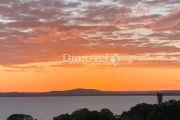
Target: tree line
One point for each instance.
(169, 110)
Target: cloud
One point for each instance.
(43, 30)
(129, 2)
(177, 81)
(69, 65)
(146, 64)
(12, 70)
(167, 22)
(91, 0)
(43, 34)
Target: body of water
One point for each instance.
(45, 108)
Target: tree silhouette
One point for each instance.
(85, 114)
(62, 117)
(159, 98)
(20, 117)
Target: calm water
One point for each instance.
(45, 108)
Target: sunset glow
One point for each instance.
(35, 34)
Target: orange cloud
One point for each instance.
(44, 34)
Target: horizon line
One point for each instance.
(91, 89)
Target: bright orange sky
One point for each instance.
(34, 36)
(108, 78)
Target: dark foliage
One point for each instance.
(85, 114)
(165, 111)
(20, 117)
(169, 110)
(62, 117)
(159, 98)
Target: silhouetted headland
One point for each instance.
(89, 92)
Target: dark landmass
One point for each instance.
(89, 92)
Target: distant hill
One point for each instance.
(89, 92)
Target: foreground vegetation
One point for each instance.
(169, 110)
(20, 117)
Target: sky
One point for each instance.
(140, 37)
